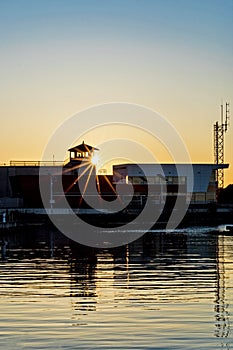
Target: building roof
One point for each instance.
(83, 148)
(200, 173)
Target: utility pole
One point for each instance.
(219, 131)
(52, 201)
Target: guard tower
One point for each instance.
(81, 152)
(79, 174)
(219, 131)
(80, 157)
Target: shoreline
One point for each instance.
(28, 217)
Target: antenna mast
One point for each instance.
(219, 130)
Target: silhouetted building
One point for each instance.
(20, 181)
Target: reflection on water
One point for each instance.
(165, 291)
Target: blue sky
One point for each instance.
(58, 57)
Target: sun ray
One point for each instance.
(113, 189)
(98, 184)
(83, 164)
(86, 184)
(110, 184)
(78, 178)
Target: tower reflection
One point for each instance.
(224, 283)
(181, 270)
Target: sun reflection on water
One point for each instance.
(162, 287)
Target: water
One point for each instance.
(168, 290)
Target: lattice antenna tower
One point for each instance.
(219, 130)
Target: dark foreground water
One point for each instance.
(165, 291)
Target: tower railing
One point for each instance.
(35, 163)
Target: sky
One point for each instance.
(59, 57)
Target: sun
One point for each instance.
(95, 159)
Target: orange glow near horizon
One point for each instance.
(175, 60)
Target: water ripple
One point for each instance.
(169, 290)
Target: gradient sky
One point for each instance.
(61, 56)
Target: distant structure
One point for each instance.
(21, 181)
(176, 177)
(219, 130)
(80, 153)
